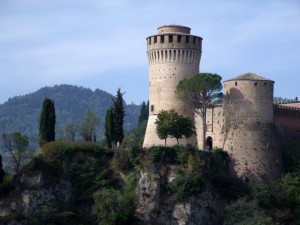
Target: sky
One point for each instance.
(102, 43)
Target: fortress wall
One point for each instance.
(254, 150)
(215, 127)
(287, 118)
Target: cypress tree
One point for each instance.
(2, 173)
(47, 122)
(109, 127)
(143, 113)
(118, 117)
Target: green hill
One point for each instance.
(22, 113)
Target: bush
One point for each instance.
(185, 185)
(6, 186)
(265, 195)
(161, 154)
(115, 207)
(243, 212)
(122, 160)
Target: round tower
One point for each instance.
(250, 134)
(173, 54)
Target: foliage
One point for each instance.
(291, 156)
(290, 184)
(121, 161)
(69, 132)
(47, 122)
(2, 172)
(88, 126)
(115, 207)
(18, 147)
(170, 124)
(185, 185)
(118, 117)
(162, 154)
(244, 212)
(265, 194)
(135, 137)
(144, 113)
(6, 185)
(200, 91)
(109, 127)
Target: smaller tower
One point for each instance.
(250, 133)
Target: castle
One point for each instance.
(245, 124)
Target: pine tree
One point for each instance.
(47, 122)
(119, 113)
(2, 173)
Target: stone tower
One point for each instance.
(250, 134)
(173, 54)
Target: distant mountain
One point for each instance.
(22, 113)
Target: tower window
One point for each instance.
(194, 40)
(170, 38)
(235, 83)
(179, 38)
(152, 108)
(265, 83)
(149, 40)
(162, 39)
(255, 84)
(187, 39)
(155, 39)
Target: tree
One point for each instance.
(70, 132)
(200, 91)
(47, 122)
(2, 173)
(170, 124)
(144, 113)
(163, 123)
(182, 126)
(109, 127)
(119, 113)
(88, 126)
(17, 145)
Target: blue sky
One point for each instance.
(102, 43)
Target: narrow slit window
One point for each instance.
(194, 40)
(162, 39)
(255, 84)
(149, 40)
(152, 108)
(155, 39)
(170, 38)
(235, 83)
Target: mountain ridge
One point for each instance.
(21, 113)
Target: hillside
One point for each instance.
(22, 113)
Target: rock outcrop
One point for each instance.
(155, 206)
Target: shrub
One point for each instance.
(161, 154)
(6, 186)
(121, 160)
(115, 207)
(243, 212)
(185, 185)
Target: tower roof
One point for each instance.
(249, 76)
